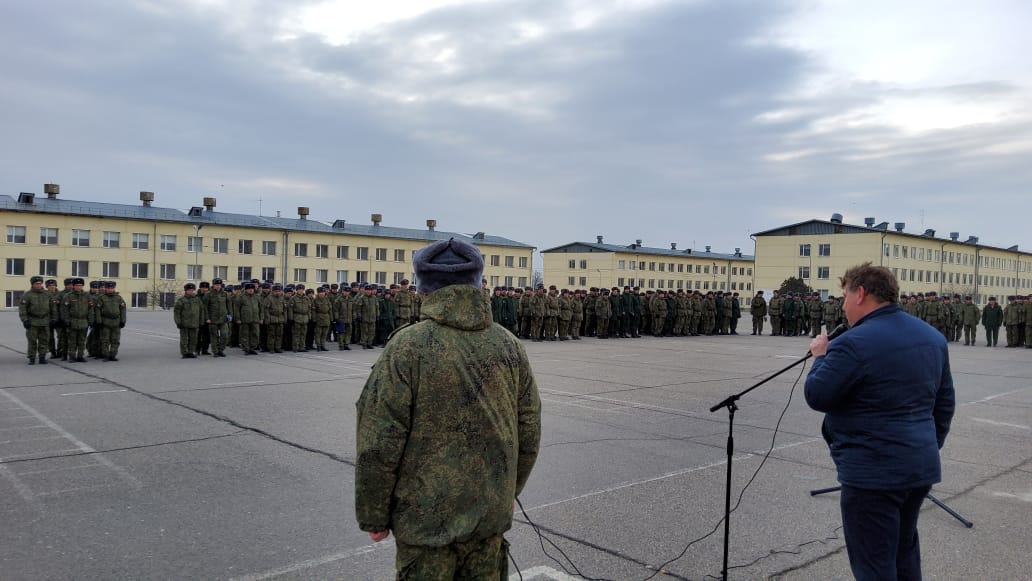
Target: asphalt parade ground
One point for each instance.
(156, 467)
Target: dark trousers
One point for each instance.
(881, 532)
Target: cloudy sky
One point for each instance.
(544, 121)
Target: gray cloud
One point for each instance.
(647, 125)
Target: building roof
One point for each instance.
(637, 249)
(821, 227)
(46, 205)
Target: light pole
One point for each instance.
(197, 249)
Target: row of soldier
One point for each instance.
(553, 314)
(954, 316)
(274, 318)
(71, 323)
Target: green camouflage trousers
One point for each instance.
(187, 340)
(476, 560)
(37, 338)
(110, 340)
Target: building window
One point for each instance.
(168, 242)
(269, 248)
(81, 238)
(509, 261)
(342, 252)
(494, 281)
(572, 263)
(804, 250)
(680, 267)
(139, 300)
(140, 270)
(220, 272)
(300, 275)
(381, 254)
(584, 264)
(824, 249)
(652, 266)
(748, 272)
(48, 267)
(723, 270)
(109, 270)
(13, 298)
(168, 271)
(16, 266)
(362, 253)
(322, 275)
(300, 249)
(244, 273)
(141, 241)
(508, 281)
(823, 272)
(220, 245)
(523, 264)
(112, 239)
(48, 236)
(399, 256)
(362, 276)
(399, 276)
(523, 279)
(496, 260)
(194, 272)
(570, 281)
(80, 268)
(16, 234)
(804, 272)
(194, 244)
(381, 277)
(342, 277)
(621, 264)
(705, 269)
(322, 251)
(166, 300)
(245, 247)
(662, 267)
(634, 265)
(583, 281)
(904, 252)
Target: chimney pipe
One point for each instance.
(599, 238)
(51, 190)
(146, 198)
(431, 224)
(900, 226)
(929, 233)
(377, 218)
(209, 204)
(707, 249)
(302, 212)
(738, 251)
(954, 236)
(638, 242)
(869, 221)
(673, 246)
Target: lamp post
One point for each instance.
(197, 249)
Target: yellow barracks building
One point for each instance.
(820, 251)
(151, 252)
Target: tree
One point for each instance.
(163, 293)
(537, 278)
(794, 285)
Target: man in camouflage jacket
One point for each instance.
(449, 424)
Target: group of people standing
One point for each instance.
(72, 323)
(273, 318)
(953, 316)
(796, 313)
(553, 314)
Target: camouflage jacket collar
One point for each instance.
(459, 306)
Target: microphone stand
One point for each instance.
(732, 406)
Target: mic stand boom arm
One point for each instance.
(732, 406)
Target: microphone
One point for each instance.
(834, 333)
(838, 331)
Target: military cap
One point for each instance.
(930, 294)
(393, 286)
(204, 284)
(189, 286)
(956, 295)
(94, 284)
(266, 285)
(75, 281)
(109, 284)
(309, 291)
(322, 289)
(277, 287)
(404, 281)
(967, 297)
(216, 281)
(248, 285)
(299, 286)
(68, 281)
(289, 287)
(228, 288)
(551, 287)
(345, 288)
(527, 288)
(992, 299)
(50, 282)
(540, 286)
(255, 280)
(334, 286)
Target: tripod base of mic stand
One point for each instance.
(937, 502)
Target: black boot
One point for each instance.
(43, 360)
(32, 360)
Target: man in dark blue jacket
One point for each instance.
(887, 393)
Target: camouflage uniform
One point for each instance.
(188, 314)
(322, 315)
(217, 313)
(775, 308)
(109, 316)
(342, 316)
(550, 325)
(992, 318)
(565, 315)
(367, 310)
(969, 315)
(36, 311)
(448, 429)
(76, 307)
(248, 314)
(603, 311)
(300, 310)
(816, 314)
(758, 309)
(275, 318)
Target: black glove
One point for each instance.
(121, 325)
(25, 324)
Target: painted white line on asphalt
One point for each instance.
(155, 335)
(136, 484)
(541, 571)
(21, 488)
(674, 474)
(237, 383)
(1005, 424)
(317, 562)
(23, 428)
(1026, 496)
(620, 402)
(93, 392)
(580, 405)
(992, 397)
(61, 469)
